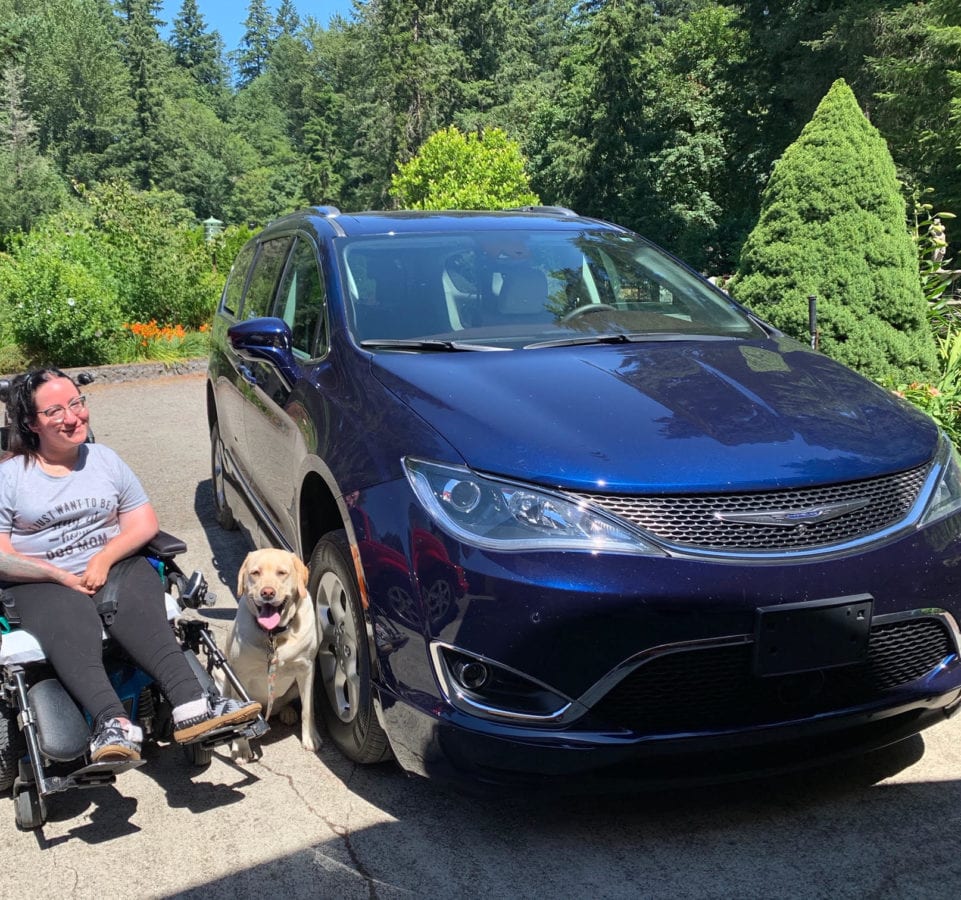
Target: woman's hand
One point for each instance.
(76, 582)
(95, 575)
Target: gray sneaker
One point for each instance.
(220, 713)
(114, 741)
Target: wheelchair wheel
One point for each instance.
(29, 809)
(12, 745)
(198, 755)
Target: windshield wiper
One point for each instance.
(618, 337)
(417, 344)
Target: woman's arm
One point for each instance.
(137, 527)
(15, 567)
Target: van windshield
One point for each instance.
(512, 289)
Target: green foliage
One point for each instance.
(941, 398)
(832, 225)
(159, 259)
(60, 297)
(917, 66)
(937, 279)
(458, 171)
(68, 287)
(79, 86)
(644, 128)
(29, 183)
(664, 116)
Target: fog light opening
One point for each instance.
(471, 674)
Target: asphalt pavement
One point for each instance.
(299, 824)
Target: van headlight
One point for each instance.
(946, 496)
(504, 515)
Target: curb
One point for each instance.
(118, 373)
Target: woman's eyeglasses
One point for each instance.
(56, 414)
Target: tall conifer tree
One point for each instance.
(832, 225)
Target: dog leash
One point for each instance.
(272, 666)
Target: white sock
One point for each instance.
(190, 710)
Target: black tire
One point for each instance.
(29, 809)
(198, 755)
(13, 745)
(343, 692)
(222, 510)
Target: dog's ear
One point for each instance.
(242, 577)
(303, 574)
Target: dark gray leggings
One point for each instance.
(68, 627)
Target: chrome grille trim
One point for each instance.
(694, 522)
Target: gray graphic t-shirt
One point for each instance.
(66, 520)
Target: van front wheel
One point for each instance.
(344, 693)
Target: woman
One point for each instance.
(73, 518)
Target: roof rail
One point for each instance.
(329, 211)
(558, 210)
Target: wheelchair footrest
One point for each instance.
(255, 729)
(94, 775)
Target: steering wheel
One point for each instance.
(587, 308)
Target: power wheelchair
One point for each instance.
(45, 736)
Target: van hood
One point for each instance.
(661, 417)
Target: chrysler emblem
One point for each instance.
(793, 518)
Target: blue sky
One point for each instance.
(227, 16)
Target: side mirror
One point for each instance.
(265, 339)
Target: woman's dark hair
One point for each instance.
(22, 411)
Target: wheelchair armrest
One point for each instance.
(164, 545)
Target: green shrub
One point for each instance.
(162, 266)
(832, 224)
(464, 171)
(60, 298)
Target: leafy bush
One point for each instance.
(162, 265)
(457, 171)
(832, 224)
(60, 298)
(68, 287)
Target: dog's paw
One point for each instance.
(311, 742)
(288, 715)
(241, 751)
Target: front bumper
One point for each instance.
(489, 759)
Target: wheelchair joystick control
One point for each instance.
(195, 593)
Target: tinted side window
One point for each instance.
(263, 282)
(237, 278)
(300, 301)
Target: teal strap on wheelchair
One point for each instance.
(4, 625)
(160, 566)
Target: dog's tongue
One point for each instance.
(269, 618)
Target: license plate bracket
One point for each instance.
(814, 634)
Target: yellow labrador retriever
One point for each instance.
(272, 644)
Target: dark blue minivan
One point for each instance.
(572, 515)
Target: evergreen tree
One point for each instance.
(596, 143)
(79, 87)
(147, 61)
(288, 21)
(832, 225)
(255, 45)
(198, 51)
(29, 184)
(918, 69)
